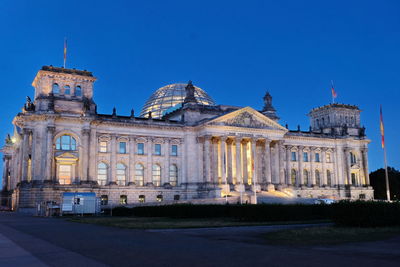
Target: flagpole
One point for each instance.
(65, 52)
(386, 175)
(333, 97)
(382, 128)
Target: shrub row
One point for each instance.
(262, 212)
(344, 213)
(366, 213)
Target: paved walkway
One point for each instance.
(57, 242)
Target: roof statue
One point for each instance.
(190, 98)
(268, 109)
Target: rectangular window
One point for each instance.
(317, 157)
(123, 199)
(122, 147)
(294, 156)
(174, 150)
(104, 200)
(305, 156)
(103, 146)
(64, 174)
(157, 149)
(140, 148)
(328, 157)
(142, 198)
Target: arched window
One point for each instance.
(306, 177)
(173, 175)
(293, 177)
(156, 175)
(67, 90)
(56, 88)
(102, 173)
(328, 178)
(66, 142)
(121, 174)
(78, 91)
(317, 178)
(139, 174)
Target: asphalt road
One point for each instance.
(31, 241)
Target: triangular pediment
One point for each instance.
(247, 118)
(66, 156)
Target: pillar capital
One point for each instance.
(51, 129)
(85, 131)
(26, 130)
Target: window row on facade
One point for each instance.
(295, 178)
(66, 90)
(307, 158)
(67, 142)
(140, 148)
(103, 174)
(123, 199)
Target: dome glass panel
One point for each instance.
(170, 96)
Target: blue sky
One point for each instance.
(235, 50)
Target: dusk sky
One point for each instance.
(234, 50)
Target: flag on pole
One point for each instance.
(382, 128)
(65, 51)
(334, 94)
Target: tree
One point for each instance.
(377, 180)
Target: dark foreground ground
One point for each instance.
(29, 241)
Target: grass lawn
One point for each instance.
(169, 223)
(330, 235)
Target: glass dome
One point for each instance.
(170, 96)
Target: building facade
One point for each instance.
(182, 147)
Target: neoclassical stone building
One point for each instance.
(182, 147)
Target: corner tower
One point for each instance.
(337, 119)
(62, 90)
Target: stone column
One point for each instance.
(132, 155)
(113, 178)
(347, 164)
(364, 155)
(288, 170)
(281, 165)
(275, 167)
(34, 150)
(49, 154)
(6, 169)
(300, 174)
(268, 173)
(337, 180)
(239, 179)
(222, 159)
(93, 151)
(149, 176)
(244, 161)
(254, 178)
(323, 174)
(229, 162)
(207, 159)
(85, 154)
(25, 150)
(167, 163)
(214, 164)
(312, 170)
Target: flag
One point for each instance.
(65, 51)
(382, 128)
(334, 94)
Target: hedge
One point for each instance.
(262, 212)
(366, 213)
(343, 213)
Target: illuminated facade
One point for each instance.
(190, 150)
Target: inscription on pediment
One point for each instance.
(246, 119)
